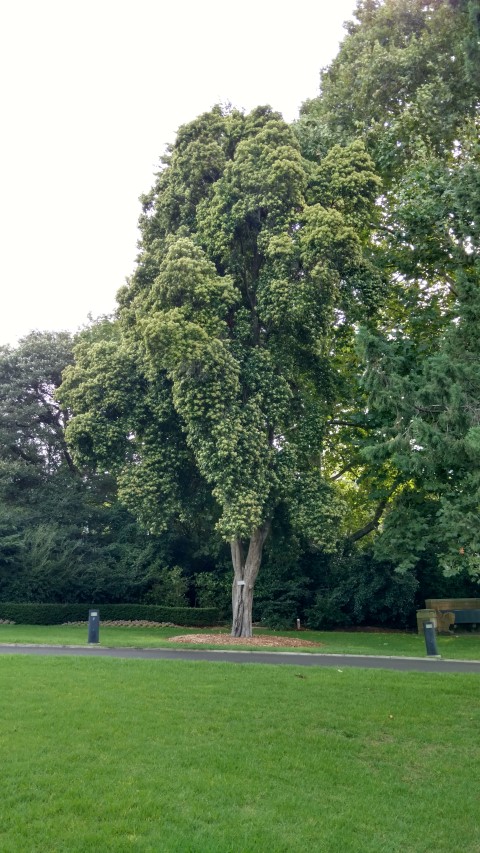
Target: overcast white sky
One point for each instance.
(91, 92)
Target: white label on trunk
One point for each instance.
(240, 583)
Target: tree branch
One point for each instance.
(371, 525)
(430, 410)
(350, 424)
(343, 471)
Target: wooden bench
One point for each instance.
(454, 611)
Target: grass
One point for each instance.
(460, 646)
(118, 755)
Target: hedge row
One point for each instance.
(56, 614)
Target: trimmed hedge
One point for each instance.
(57, 614)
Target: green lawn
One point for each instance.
(466, 645)
(118, 755)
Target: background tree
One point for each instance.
(407, 82)
(63, 535)
(33, 452)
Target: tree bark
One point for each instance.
(245, 573)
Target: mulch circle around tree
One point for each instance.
(227, 640)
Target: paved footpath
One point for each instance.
(400, 664)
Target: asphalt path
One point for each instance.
(399, 664)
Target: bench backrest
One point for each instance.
(445, 604)
(466, 617)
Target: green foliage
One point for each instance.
(63, 535)
(168, 587)
(433, 583)
(357, 590)
(246, 250)
(127, 424)
(214, 589)
(406, 83)
(405, 79)
(40, 491)
(429, 433)
(284, 587)
(57, 614)
(280, 600)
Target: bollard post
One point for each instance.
(93, 626)
(430, 639)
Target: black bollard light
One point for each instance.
(93, 626)
(430, 639)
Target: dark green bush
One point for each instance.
(283, 587)
(326, 611)
(56, 614)
(358, 590)
(283, 607)
(167, 585)
(214, 589)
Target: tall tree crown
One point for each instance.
(248, 255)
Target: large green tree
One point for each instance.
(407, 82)
(224, 365)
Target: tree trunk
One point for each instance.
(245, 573)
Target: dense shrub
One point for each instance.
(358, 590)
(283, 589)
(279, 603)
(167, 586)
(214, 589)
